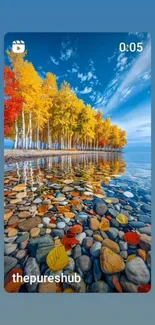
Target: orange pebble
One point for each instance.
(109, 218)
(117, 284)
(142, 254)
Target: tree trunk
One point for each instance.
(30, 128)
(49, 136)
(16, 136)
(38, 137)
(23, 129)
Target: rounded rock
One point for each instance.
(110, 262)
(137, 271)
(84, 263)
(111, 244)
(93, 224)
(61, 225)
(95, 249)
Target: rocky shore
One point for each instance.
(71, 222)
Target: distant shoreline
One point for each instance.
(13, 155)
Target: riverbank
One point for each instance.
(20, 154)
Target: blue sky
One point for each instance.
(119, 84)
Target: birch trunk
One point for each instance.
(23, 129)
(16, 136)
(30, 126)
(49, 136)
(38, 137)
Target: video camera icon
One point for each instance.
(18, 46)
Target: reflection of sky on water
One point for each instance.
(138, 165)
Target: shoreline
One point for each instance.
(13, 155)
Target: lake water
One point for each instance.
(128, 165)
(91, 192)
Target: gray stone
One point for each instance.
(126, 213)
(88, 242)
(83, 263)
(9, 248)
(104, 235)
(112, 233)
(124, 254)
(21, 254)
(32, 269)
(121, 234)
(61, 225)
(128, 207)
(145, 242)
(146, 208)
(37, 200)
(22, 238)
(81, 216)
(76, 286)
(123, 245)
(9, 263)
(95, 249)
(42, 253)
(114, 223)
(113, 213)
(57, 233)
(137, 271)
(80, 237)
(100, 208)
(145, 219)
(77, 251)
(127, 285)
(145, 230)
(148, 259)
(45, 241)
(137, 224)
(89, 232)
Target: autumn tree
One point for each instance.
(46, 117)
(12, 101)
(50, 91)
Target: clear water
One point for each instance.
(128, 166)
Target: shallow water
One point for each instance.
(131, 166)
(44, 194)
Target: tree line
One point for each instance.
(38, 115)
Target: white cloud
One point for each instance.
(147, 76)
(131, 78)
(110, 58)
(54, 60)
(67, 51)
(138, 34)
(42, 74)
(137, 123)
(86, 90)
(90, 75)
(82, 76)
(122, 63)
(126, 91)
(74, 70)
(76, 90)
(66, 55)
(92, 65)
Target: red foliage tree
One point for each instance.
(102, 143)
(12, 99)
